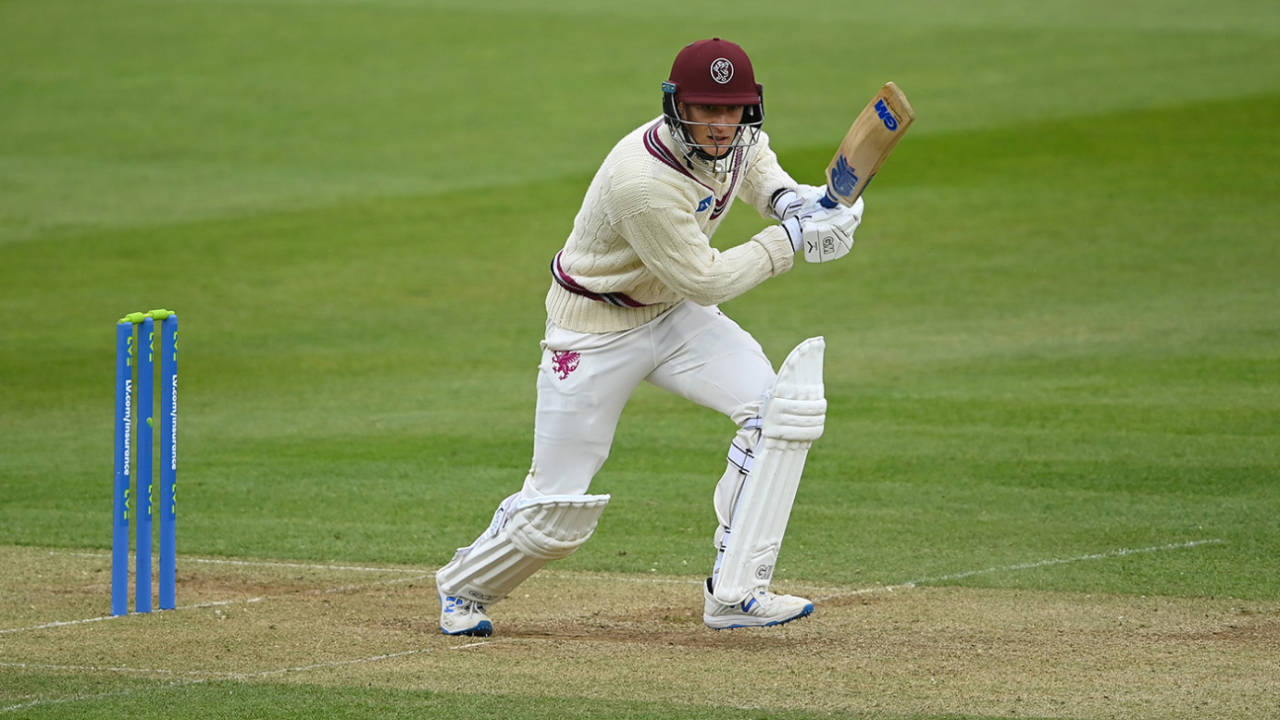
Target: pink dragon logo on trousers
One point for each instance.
(564, 362)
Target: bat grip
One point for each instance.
(827, 201)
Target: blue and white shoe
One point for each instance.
(759, 609)
(460, 616)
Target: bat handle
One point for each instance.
(828, 201)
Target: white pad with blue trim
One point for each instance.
(794, 416)
(526, 533)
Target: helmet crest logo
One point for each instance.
(721, 70)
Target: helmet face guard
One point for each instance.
(713, 72)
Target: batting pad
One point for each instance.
(525, 535)
(793, 418)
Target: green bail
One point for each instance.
(138, 317)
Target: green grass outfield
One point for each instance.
(1058, 335)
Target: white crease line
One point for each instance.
(304, 566)
(203, 676)
(216, 603)
(353, 587)
(60, 623)
(325, 665)
(256, 563)
(78, 698)
(206, 675)
(619, 578)
(468, 646)
(99, 668)
(1119, 552)
(83, 621)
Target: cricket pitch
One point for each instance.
(868, 651)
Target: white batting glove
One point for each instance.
(802, 201)
(810, 195)
(825, 235)
(786, 204)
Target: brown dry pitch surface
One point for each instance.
(866, 651)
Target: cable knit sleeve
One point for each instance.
(660, 227)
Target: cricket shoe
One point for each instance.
(460, 616)
(759, 609)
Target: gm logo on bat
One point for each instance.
(843, 177)
(886, 117)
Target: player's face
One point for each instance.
(713, 126)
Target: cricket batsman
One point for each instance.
(633, 298)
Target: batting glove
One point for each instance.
(786, 204)
(810, 195)
(825, 235)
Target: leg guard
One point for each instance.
(526, 533)
(741, 457)
(793, 419)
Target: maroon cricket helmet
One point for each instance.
(713, 72)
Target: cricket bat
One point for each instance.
(873, 135)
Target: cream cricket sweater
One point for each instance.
(641, 242)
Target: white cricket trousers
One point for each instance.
(585, 380)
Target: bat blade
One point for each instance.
(873, 135)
